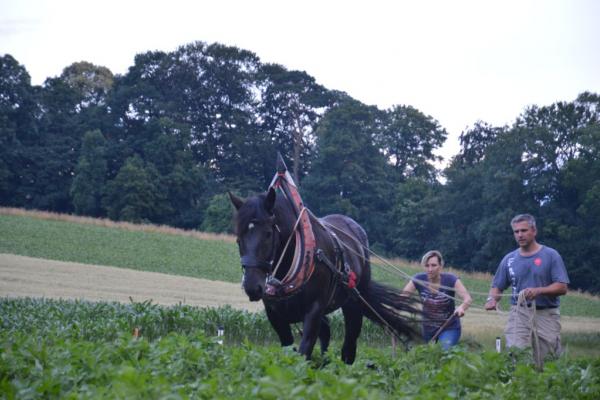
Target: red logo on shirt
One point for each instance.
(537, 261)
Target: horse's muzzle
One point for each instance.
(255, 295)
(253, 281)
(254, 291)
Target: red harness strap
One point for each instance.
(303, 264)
(351, 280)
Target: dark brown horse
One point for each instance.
(264, 225)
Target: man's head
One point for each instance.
(524, 230)
(524, 218)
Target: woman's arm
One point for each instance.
(409, 288)
(464, 295)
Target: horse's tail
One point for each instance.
(389, 307)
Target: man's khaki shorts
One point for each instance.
(519, 329)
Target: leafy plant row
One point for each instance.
(82, 320)
(69, 349)
(180, 366)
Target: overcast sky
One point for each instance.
(457, 61)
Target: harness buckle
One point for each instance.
(271, 280)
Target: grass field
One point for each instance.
(167, 250)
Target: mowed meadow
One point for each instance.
(188, 253)
(80, 349)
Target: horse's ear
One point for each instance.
(270, 200)
(236, 201)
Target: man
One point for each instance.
(539, 273)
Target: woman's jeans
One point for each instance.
(447, 338)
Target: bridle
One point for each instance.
(264, 265)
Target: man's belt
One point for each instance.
(538, 307)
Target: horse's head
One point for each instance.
(258, 240)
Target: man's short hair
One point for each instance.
(523, 218)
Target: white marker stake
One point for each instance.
(220, 334)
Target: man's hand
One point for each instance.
(532, 293)
(491, 304)
(460, 311)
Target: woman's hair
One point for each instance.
(432, 253)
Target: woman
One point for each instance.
(437, 290)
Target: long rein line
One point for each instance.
(391, 268)
(387, 326)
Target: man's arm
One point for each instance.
(554, 289)
(493, 299)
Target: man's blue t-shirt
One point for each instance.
(540, 269)
(438, 306)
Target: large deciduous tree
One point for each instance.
(18, 129)
(70, 105)
(565, 178)
(134, 194)
(348, 174)
(291, 105)
(484, 189)
(88, 184)
(408, 138)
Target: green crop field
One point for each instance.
(56, 349)
(52, 349)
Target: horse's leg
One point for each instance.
(324, 334)
(282, 327)
(311, 328)
(353, 324)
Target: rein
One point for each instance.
(444, 325)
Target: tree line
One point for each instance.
(164, 142)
